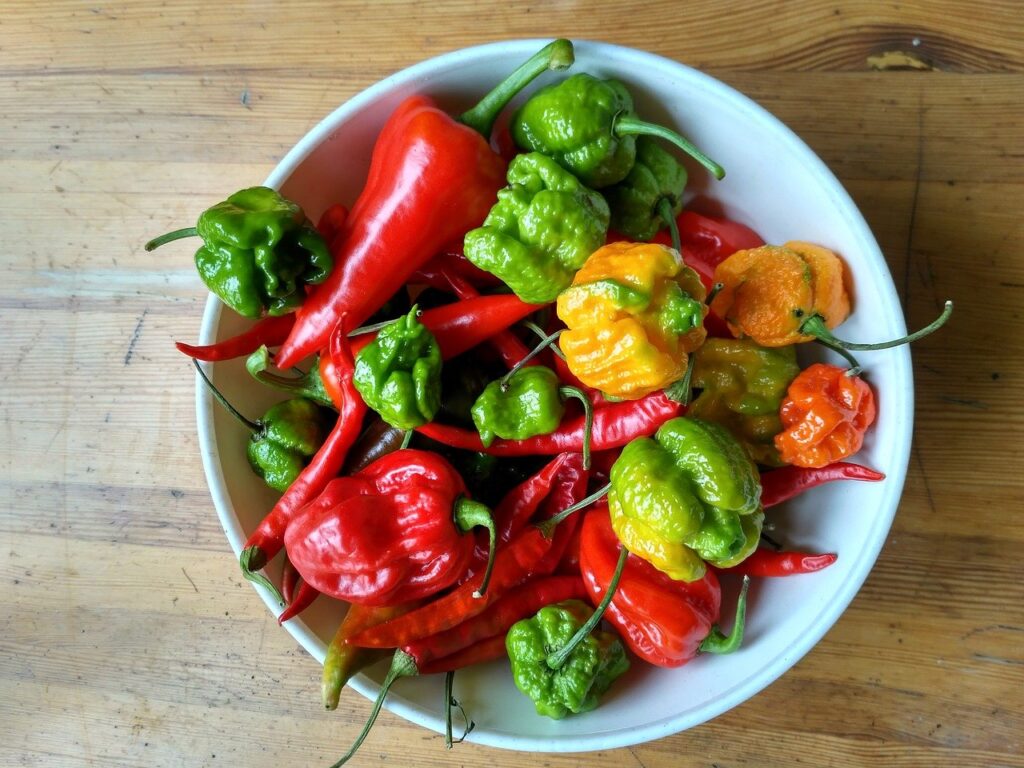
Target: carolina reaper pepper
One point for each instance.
(399, 373)
(742, 386)
(689, 495)
(586, 674)
(824, 416)
(543, 227)
(633, 313)
(432, 178)
(258, 252)
(651, 195)
(391, 533)
(589, 127)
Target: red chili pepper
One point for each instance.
(768, 563)
(522, 502)
(453, 261)
(332, 223)
(269, 331)
(289, 581)
(431, 179)
(614, 426)
(394, 532)
(571, 488)
(487, 650)
(268, 538)
(779, 485)
(304, 597)
(662, 620)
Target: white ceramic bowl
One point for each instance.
(777, 185)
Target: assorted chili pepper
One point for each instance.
(676, 416)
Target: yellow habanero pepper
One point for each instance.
(633, 312)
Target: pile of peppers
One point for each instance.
(540, 410)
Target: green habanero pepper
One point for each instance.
(689, 495)
(542, 229)
(398, 374)
(576, 685)
(258, 252)
(651, 196)
(742, 387)
(589, 127)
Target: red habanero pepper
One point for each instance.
(779, 485)
(614, 426)
(269, 331)
(268, 538)
(431, 179)
(394, 532)
(769, 563)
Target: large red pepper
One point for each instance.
(395, 531)
(432, 178)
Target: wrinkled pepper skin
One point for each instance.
(689, 495)
(384, 535)
(290, 434)
(663, 621)
(543, 227)
(588, 672)
(634, 201)
(259, 251)
(742, 386)
(633, 313)
(530, 406)
(398, 374)
(571, 122)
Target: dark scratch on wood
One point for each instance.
(135, 337)
(927, 485)
(976, 404)
(190, 580)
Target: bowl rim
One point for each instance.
(875, 536)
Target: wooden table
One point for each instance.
(128, 638)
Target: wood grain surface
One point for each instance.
(128, 638)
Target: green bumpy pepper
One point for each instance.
(743, 386)
(543, 227)
(399, 373)
(258, 252)
(589, 671)
(529, 405)
(637, 210)
(286, 438)
(689, 495)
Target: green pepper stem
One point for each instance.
(715, 290)
(625, 125)
(548, 526)
(253, 426)
(546, 342)
(532, 326)
(177, 234)
(559, 657)
(469, 514)
(251, 561)
(716, 642)
(815, 326)
(854, 369)
(402, 665)
(588, 410)
(450, 701)
(665, 211)
(407, 438)
(682, 390)
(556, 55)
(373, 328)
(309, 385)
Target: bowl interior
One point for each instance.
(780, 188)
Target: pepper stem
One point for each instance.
(559, 657)
(665, 211)
(532, 326)
(626, 125)
(177, 234)
(588, 410)
(449, 702)
(407, 438)
(470, 514)
(682, 390)
(251, 560)
(815, 326)
(546, 342)
(253, 426)
(556, 55)
(548, 526)
(308, 385)
(715, 290)
(716, 642)
(402, 665)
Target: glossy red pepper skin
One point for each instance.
(431, 180)
(615, 425)
(663, 621)
(270, 331)
(570, 487)
(767, 563)
(332, 224)
(486, 650)
(303, 597)
(779, 485)
(385, 535)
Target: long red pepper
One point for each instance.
(486, 650)
(300, 601)
(519, 505)
(269, 331)
(768, 563)
(779, 485)
(431, 179)
(571, 488)
(614, 426)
